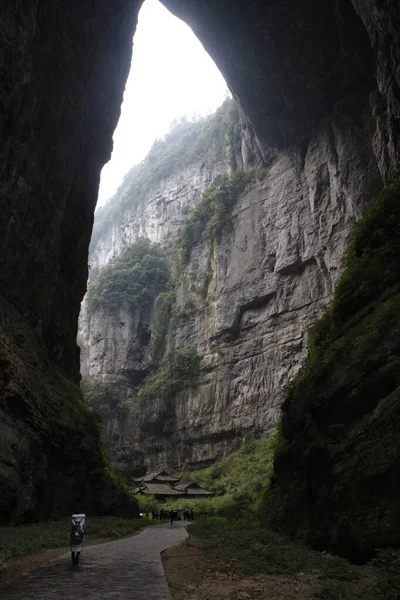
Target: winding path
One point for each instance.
(126, 569)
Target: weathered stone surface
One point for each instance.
(63, 69)
(114, 345)
(247, 303)
(271, 277)
(297, 59)
(382, 21)
(160, 214)
(336, 480)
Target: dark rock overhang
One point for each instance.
(288, 62)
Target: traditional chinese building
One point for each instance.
(163, 487)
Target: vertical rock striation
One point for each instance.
(63, 70)
(382, 21)
(153, 202)
(246, 302)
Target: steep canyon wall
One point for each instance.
(319, 86)
(245, 303)
(344, 97)
(63, 70)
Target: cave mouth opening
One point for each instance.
(173, 82)
(171, 77)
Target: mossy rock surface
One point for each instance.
(345, 403)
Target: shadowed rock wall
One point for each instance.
(63, 68)
(382, 21)
(337, 472)
(63, 72)
(288, 62)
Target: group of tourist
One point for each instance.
(177, 515)
(172, 515)
(188, 514)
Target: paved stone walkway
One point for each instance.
(122, 570)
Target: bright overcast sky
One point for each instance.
(171, 76)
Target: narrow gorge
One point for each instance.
(249, 277)
(208, 268)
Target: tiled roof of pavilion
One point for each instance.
(181, 486)
(159, 489)
(193, 489)
(157, 476)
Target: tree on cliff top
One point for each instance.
(135, 278)
(208, 139)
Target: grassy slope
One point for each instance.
(238, 480)
(256, 550)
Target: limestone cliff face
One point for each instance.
(245, 303)
(160, 214)
(269, 278)
(382, 22)
(115, 345)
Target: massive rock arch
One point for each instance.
(291, 64)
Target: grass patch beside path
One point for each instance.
(25, 540)
(256, 550)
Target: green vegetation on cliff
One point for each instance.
(134, 278)
(107, 398)
(344, 403)
(172, 371)
(208, 218)
(160, 324)
(369, 286)
(238, 480)
(209, 140)
(211, 214)
(247, 470)
(178, 370)
(139, 277)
